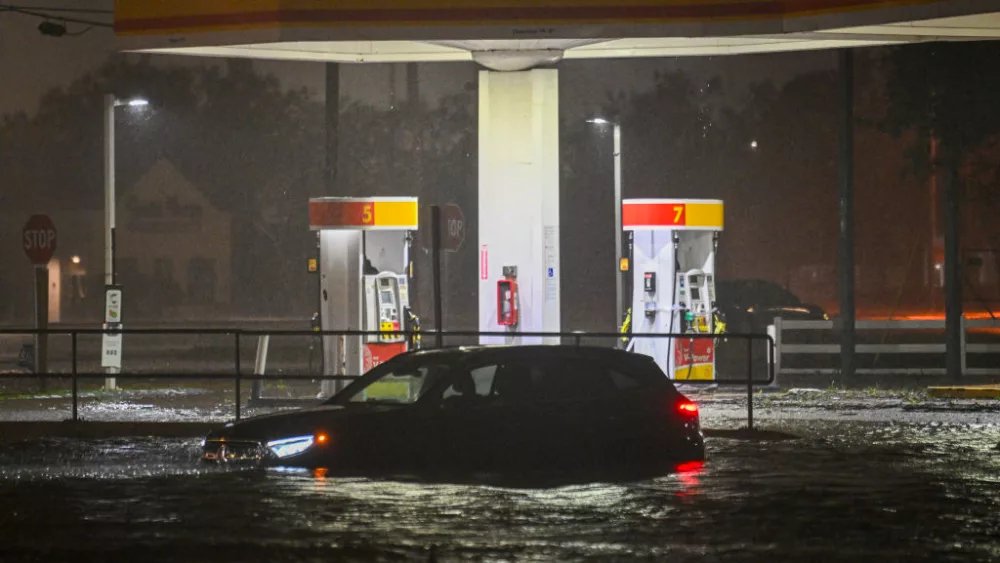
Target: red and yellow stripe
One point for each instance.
(672, 214)
(363, 213)
(146, 17)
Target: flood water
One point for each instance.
(847, 491)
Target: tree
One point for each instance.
(255, 148)
(247, 143)
(946, 92)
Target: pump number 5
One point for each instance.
(367, 214)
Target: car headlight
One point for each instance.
(287, 447)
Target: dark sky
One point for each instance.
(31, 63)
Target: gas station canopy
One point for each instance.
(519, 34)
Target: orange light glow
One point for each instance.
(320, 473)
(687, 408)
(322, 438)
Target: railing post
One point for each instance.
(777, 347)
(237, 375)
(750, 383)
(76, 399)
(962, 340)
(259, 366)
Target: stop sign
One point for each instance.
(39, 239)
(452, 227)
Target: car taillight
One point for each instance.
(687, 408)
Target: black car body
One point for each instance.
(751, 305)
(481, 409)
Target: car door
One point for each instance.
(567, 414)
(468, 419)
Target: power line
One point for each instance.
(58, 9)
(48, 16)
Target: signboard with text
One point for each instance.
(38, 238)
(452, 227)
(111, 342)
(111, 347)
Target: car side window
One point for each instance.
(571, 379)
(622, 381)
(483, 377)
(475, 383)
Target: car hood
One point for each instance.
(297, 423)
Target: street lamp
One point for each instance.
(619, 297)
(110, 103)
(110, 277)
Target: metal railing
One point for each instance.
(238, 377)
(780, 330)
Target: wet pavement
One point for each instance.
(873, 478)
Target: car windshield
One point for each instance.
(400, 383)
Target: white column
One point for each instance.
(519, 196)
(340, 303)
(653, 251)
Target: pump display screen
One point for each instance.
(695, 293)
(387, 297)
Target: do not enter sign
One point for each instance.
(39, 239)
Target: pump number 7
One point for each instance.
(679, 214)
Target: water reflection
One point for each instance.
(847, 492)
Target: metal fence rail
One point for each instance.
(781, 329)
(238, 377)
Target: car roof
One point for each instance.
(512, 352)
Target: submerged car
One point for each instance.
(481, 409)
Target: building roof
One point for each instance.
(515, 34)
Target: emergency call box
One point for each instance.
(507, 303)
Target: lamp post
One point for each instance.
(110, 275)
(619, 297)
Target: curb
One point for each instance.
(970, 392)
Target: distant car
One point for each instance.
(481, 409)
(750, 305)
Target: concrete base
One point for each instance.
(966, 392)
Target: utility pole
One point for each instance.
(846, 216)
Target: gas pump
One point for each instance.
(365, 275)
(695, 299)
(674, 244)
(386, 299)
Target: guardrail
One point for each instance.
(238, 377)
(780, 330)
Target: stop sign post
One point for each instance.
(39, 239)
